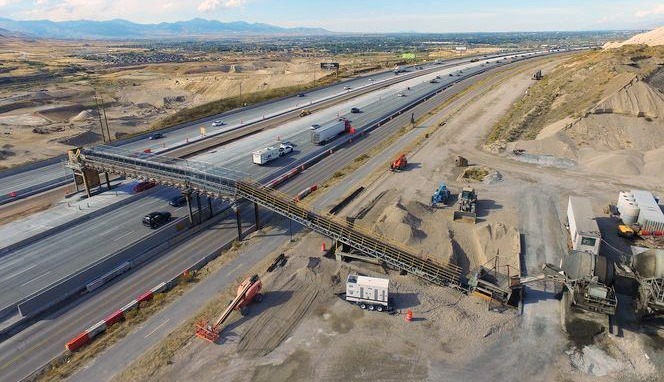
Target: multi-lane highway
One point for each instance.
(42, 177)
(44, 262)
(40, 342)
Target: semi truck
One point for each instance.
(265, 155)
(326, 132)
(370, 293)
(583, 228)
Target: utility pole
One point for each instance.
(108, 132)
(101, 125)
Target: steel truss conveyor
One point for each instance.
(224, 183)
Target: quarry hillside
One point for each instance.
(603, 110)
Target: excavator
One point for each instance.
(399, 164)
(247, 292)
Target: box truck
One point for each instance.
(326, 132)
(368, 292)
(583, 228)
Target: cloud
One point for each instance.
(658, 10)
(6, 2)
(211, 5)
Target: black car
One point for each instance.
(155, 219)
(354, 110)
(156, 136)
(301, 95)
(178, 201)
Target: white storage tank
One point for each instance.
(650, 217)
(630, 213)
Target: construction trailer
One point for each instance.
(583, 227)
(247, 292)
(370, 293)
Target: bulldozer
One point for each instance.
(304, 112)
(399, 164)
(441, 196)
(467, 212)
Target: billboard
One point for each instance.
(408, 56)
(461, 48)
(329, 65)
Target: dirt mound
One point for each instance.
(497, 239)
(83, 116)
(652, 38)
(86, 138)
(636, 98)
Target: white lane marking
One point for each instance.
(123, 235)
(155, 329)
(36, 278)
(233, 270)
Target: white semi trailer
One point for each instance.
(583, 228)
(328, 131)
(368, 292)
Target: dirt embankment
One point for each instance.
(603, 111)
(652, 38)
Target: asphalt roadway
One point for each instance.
(36, 345)
(43, 175)
(44, 262)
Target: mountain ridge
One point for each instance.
(124, 29)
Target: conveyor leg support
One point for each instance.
(198, 203)
(239, 223)
(187, 195)
(209, 199)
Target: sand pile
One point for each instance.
(417, 226)
(83, 116)
(497, 239)
(636, 98)
(652, 38)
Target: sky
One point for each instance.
(377, 16)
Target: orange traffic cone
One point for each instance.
(322, 247)
(409, 315)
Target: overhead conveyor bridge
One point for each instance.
(224, 183)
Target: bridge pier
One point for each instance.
(108, 181)
(198, 203)
(239, 222)
(256, 217)
(210, 207)
(187, 196)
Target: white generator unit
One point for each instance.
(583, 227)
(368, 292)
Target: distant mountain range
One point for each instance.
(123, 29)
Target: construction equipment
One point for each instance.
(467, 212)
(247, 292)
(538, 75)
(370, 293)
(460, 161)
(441, 196)
(399, 164)
(304, 112)
(625, 231)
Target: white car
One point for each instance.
(370, 79)
(314, 127)
(285, 149)
(218, 123)
(401, 95)
(346, 87)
